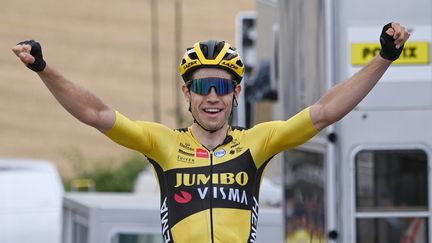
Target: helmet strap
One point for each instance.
(234, 104)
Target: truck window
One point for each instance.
(391, 195)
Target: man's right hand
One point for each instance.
(30, 53)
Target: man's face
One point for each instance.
(212, 111)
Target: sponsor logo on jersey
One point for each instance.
(220, 153)
(254, 221)
(189, 179)
(183, 197)
(224, 186)
(223, 193)
(201, 153)
(230, 194)
(235, 143)
(186, 146)
(195, 188)
(185, 159)
(166, 234)
(186, 153)
(235, 150)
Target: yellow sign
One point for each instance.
(414, 53)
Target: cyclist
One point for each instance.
(209, 173)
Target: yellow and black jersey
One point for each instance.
(210, 196)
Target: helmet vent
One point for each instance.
(193, 55)
(212, 48)
(204, 50)
(220, 45)
(229, 56)
(240, 63)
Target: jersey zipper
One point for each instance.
(211, 196)
(211, 184)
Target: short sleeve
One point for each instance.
(269, 138)
(151, 139)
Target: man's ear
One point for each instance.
(186, 92)
(237, 90)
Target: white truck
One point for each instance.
(30, 201)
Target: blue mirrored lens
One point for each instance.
(203, 86)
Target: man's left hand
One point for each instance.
(392, 39)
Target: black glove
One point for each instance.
(388, 47)
(36, 51)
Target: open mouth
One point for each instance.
(212, 110)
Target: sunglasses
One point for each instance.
(203, 86)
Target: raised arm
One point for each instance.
(345, 96)
(79, 102)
